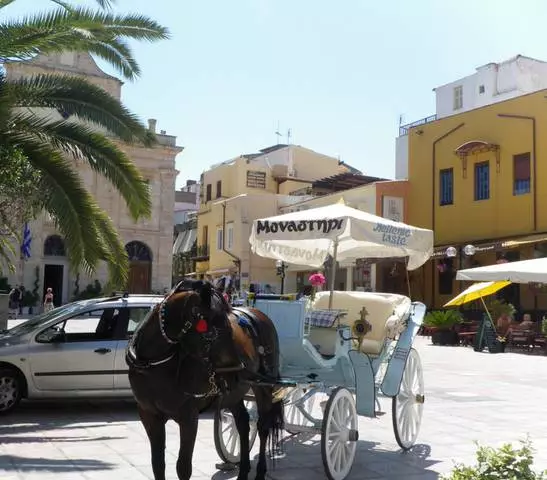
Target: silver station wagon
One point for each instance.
(73, 351)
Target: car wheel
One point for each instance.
(11, 390)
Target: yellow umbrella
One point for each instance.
(476, 292)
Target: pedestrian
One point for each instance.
(48, 300)
(13, 301)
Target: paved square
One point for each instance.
(469, 396)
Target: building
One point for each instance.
(381, 197)
(240, 190)
(185, 219)
(474, 180)
(491, 83)
(148, 242)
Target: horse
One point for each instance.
(194, 350)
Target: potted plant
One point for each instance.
(544, 326)
(30, 300)
(502, 313)
(443, 323)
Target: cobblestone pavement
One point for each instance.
(470, 396)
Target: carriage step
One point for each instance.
(379, 413)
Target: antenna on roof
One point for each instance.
(400, 119)
(278, 133)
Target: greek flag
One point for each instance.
(25, 246)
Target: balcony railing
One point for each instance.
(403, 130)
(202, 251)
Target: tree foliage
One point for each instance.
(83, 124)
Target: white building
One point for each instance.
(148, 242)
(491, 83)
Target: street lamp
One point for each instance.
(281, 267)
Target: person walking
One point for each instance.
(48, 300)
(13, 303)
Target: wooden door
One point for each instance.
(139, 277)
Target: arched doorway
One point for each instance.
(54, 267)
(140, 267)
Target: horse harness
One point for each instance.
(208, 336)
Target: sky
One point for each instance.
(339, 74)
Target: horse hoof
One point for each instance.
(226, 467)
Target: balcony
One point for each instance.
(403, 130)
(202, 253)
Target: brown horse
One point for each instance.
(193, 350)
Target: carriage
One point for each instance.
(341, 350)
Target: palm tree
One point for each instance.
(50, 144)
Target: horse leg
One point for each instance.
(188, 428)
(155, 430)
(241, 418)
(270, 420)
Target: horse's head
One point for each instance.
(192, 308)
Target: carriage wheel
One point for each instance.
(339, 434)
(408, 405)
(226, 436)
(294, 417)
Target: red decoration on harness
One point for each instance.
(201, 326)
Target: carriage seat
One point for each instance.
(386, 312)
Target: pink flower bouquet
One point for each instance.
(317, 280)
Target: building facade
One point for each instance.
(148, 242)
(236, 192)
(491, 83)
(475, 180)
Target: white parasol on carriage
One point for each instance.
(308, 237)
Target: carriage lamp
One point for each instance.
(281, 267)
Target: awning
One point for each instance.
(507, 244)
(220, 271)
(185, 240)
(530, 239)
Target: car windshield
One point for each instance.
(58, 312)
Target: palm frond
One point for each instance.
(74, 209)
(79, 29)
(98, 151)
(76, 96)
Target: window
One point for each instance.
(136, 316)
(219, 189)
(205, 235)
(482, 181)
(446, 276)
(230, 236)
(458, 97)
(220, 238)
(90, 326)
(446, 192)
(481, 89)
(521, 174)
(209, 193)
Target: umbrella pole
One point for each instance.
(333, 272)
(488, 313)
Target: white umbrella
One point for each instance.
(307, 237)
(525, 271)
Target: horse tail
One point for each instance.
(277, 425)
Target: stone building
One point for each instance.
(148, 242)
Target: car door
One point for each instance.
(76, 354)
(137, 314)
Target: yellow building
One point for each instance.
(238, 191)
(475, 180)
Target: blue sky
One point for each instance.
(338, 74)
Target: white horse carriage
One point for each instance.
(347, 347)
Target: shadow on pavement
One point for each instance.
(24, 464)
(370, 462)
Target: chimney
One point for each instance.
(152, 124)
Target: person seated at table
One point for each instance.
(526, 324)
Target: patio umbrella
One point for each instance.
(524, 271)
(477, 291)
(307, 237)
